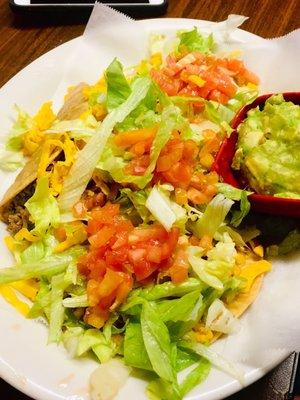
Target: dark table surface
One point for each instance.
(22, 40)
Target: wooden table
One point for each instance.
(23, 40)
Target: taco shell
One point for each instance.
(74, 105)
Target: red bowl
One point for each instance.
(222, 165)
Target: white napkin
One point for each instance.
(272, 324)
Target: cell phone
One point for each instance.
(142, 8)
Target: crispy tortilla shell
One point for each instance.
(73, 107)
(242, 301)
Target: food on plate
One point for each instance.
(268, 148)
(125, 241)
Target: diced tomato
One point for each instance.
(190, 150)
(117, 251)
(98, 270)
(153, 232)
(168, 85)
(250, 77)
(178, 274)
(154, 254)
(122, 291)
(217, 95)
(110, 282)
(116, 258)
(96, 317)
(101, 238)
(138, 165)
(136, 255)
(144, 269)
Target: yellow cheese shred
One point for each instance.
(10, 296)
(251, 271)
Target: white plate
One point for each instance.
(45, 372)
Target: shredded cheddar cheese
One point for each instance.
(59, 170)
(27, 288)
(10, 296)
(251, 271)
(197, 80)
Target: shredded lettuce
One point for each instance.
(194, 41)
(233, 193)
(157, 342)
(138, 201)
(114, 163)
(76, 128)
(57, 310)
(213, 216)
(178, 309)
(213, 270)
(43, 208)
(135, 353)
(197, 375)
(11, 160)
(88, 157)
(164, 210)
(22, 125)
(216, 359)
(118, 89)
(47, 267)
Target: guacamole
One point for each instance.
(268, 148)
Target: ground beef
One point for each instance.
(14, 213)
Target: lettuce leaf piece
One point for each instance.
(242, 97)
(178, 309)
(46, 267)
(239, 215)
(138, 201)
(157, 343)
(39, 249)
(216, 359)
(213, 216)
(76, 301)
(43, 208)
(79, 341)
(164, 210)
(195, 377)
(194, 41)
(145, 115)
(87, 159)
(76, 128)
(290, 243)
(41, 305)
(135, 353)
(230, 191)
(233, 193)
(118, 89)
(94, 340)
(114, 163)
(57, 310)
(213, 271)
(11, 160)
(185, 359)
(22, 125)
(158, 389)
(169, 289)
